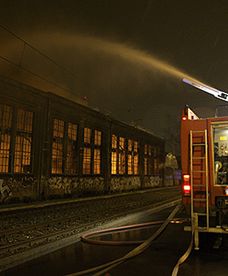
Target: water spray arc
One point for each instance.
(102, 46)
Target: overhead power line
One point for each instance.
(38, 51)
(34, 74)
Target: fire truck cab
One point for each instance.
(204, 157)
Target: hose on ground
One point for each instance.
(101, 269)
(184, 257)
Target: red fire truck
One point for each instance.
(204, 157)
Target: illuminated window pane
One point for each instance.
(122, 163)
(71, 157)
(122, 158)
(135, 158)
(58, 128)
(22, 156)
(97, 161)
(145, 149)
(57, 147)
(97, 137)
(4, 153)
(86, 169)
(130, 145)
(72, 132)
(97, 152)
(57, 157)
(145, 166)
(87, 135)
(121, 143)
(130, 164)
(6, 114)
(114, 155)
(132, 157)
(135, 146)
(114, 141)
(114, 163)
(24, 121)
(136, 164)
(23, 142)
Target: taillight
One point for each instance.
(226, 190)
(186, 184)
(184, 118)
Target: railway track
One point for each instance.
(27, 230)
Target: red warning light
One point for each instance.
(186, 184)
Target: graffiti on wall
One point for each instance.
(17, 189)
(5, 191)
(63, 185)
(75, 185)
(152, 181)
(121, 184)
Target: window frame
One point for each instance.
(93, 148)
(64, 142)
(14, 133)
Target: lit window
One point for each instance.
(92, 151)
(114, 141)
(130, 145)
(130, 164)
(130, 157)
(97, 152)
(86, 169)
(145, 149)
(97, 137)
(122, 158)
(87, 135)
(145, 166)
(23, 143)
(114, 162)
(71, 156)
(136, 158)
(114, 155)
(64, 154)
(57, 147)
(5, 137)
(86, 163)
(97, 161)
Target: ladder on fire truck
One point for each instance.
(199, 182)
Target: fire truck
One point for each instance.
(204, 157)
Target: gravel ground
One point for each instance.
(25, 229)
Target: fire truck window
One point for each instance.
(221, 155)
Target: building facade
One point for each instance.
(51, 147)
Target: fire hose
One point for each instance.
(101, 269)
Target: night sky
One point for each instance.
(109, 47)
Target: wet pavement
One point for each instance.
(208, 261)
(38, 229)
(159, 259)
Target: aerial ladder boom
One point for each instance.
(208, 89)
